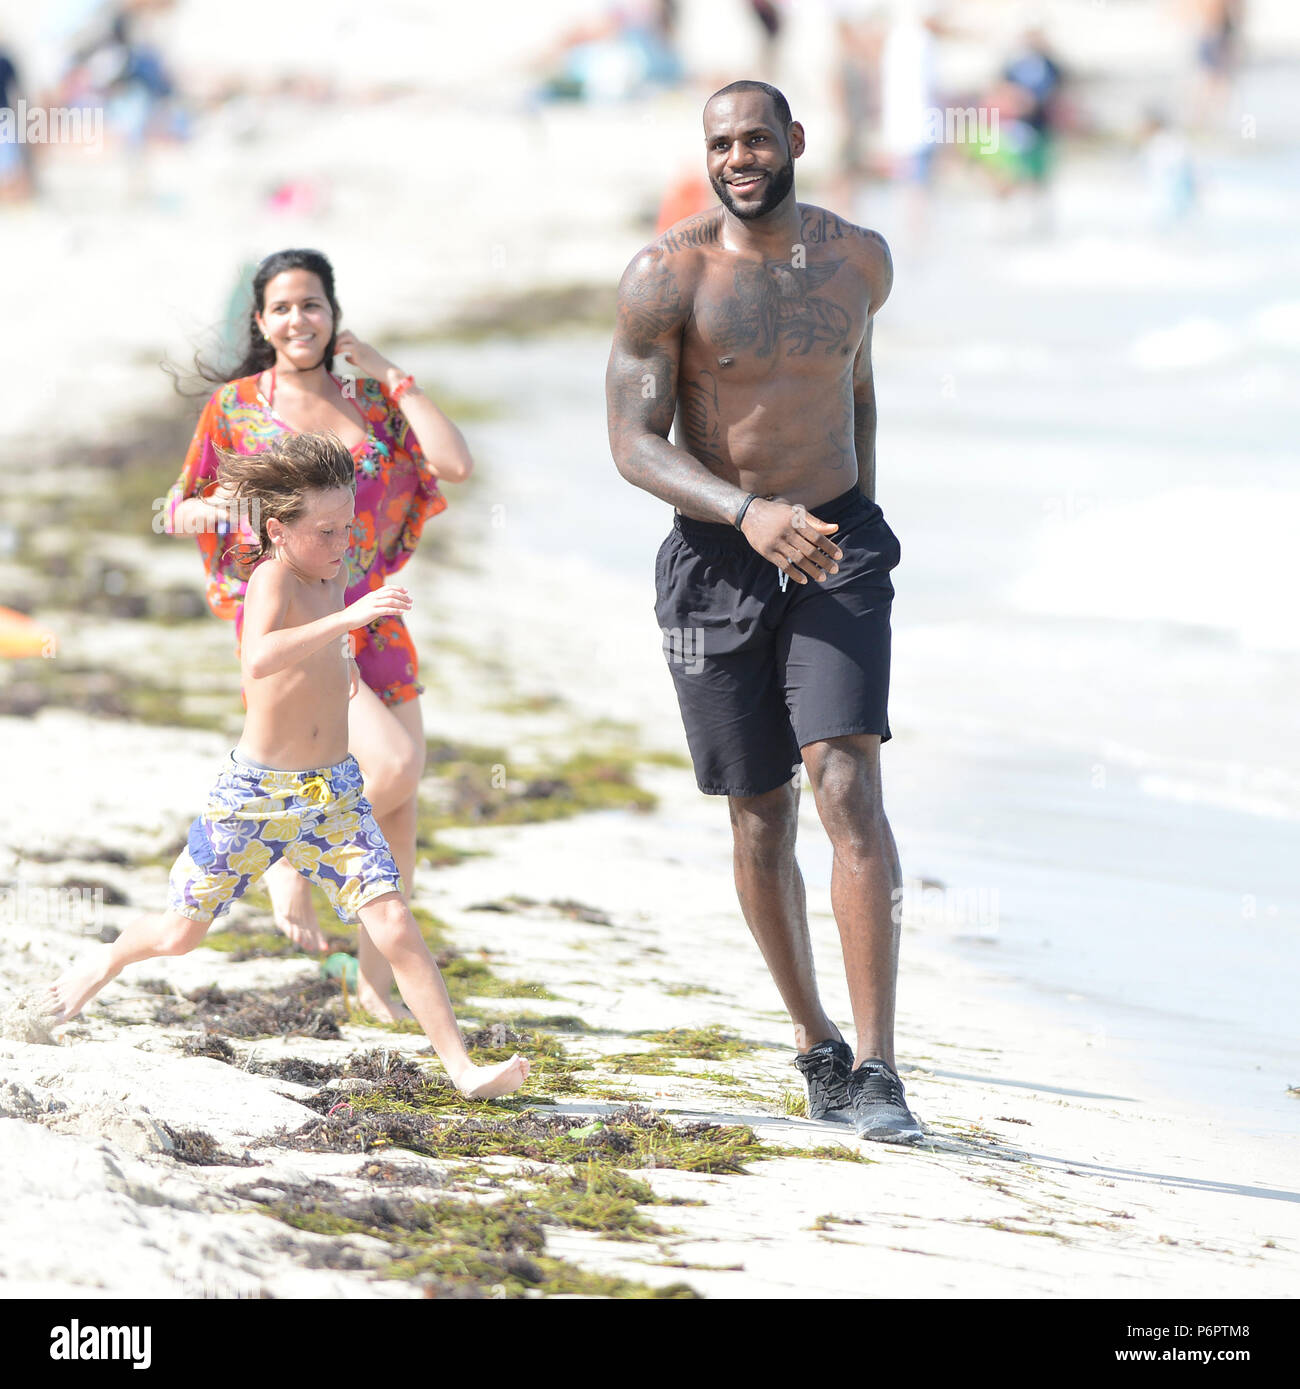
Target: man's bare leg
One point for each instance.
(865, 877)
(146, 938)
(771, 892)
(392, 930)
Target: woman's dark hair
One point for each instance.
(258, 354)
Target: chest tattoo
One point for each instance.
(775, 307)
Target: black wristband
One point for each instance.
(744, 507)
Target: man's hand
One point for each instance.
(793, 539)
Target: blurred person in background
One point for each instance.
(630, 47)
(687, 194)
(1218, 25)
(403, 445)
(16, 182)
(113, 61)
(770, 20)
(908, 96)
(859, 27)
(115, 65)
(1027, 100)
(1170, 171)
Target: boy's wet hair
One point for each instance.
(281, 481)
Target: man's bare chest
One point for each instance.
(807, 313)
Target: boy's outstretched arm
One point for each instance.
(269, 646)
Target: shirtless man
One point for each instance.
(748, 328)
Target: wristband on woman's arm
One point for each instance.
(405, 384)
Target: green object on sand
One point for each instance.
(341, 965)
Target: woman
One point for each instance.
(403, 446)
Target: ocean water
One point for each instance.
(1088, 449)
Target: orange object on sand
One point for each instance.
(20, 636)
(689, 195)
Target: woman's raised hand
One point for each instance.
(367, 361)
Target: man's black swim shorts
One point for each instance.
(762, 669)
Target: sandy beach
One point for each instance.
(1046, 1172)
(1093, 780)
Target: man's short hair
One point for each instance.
(748, 84)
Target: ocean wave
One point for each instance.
(1201, 556)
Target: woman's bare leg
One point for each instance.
(388, 742)
(293, 908)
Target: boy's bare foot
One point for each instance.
(292, 907)
(385, 1009)
(490, 1082)
(78, 984)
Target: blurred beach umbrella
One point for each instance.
(20, 636)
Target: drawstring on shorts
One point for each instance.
(316, 789)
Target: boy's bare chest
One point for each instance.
(311, 608)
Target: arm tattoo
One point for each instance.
(650, 304)
(642, 394)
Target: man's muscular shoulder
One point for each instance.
(657, 287)
(867, 249)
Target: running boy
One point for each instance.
(291, 788)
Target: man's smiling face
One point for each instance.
(750, 158)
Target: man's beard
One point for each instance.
(778, 185)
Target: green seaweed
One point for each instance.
(699, 1043)
(526, 1021)
(537, 312)
(439, 1123)
(597, 1198)
(467, 978)
(638, 1063)
(794, 1103)
(475, 785)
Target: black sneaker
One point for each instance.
(825, 1069)
(879, 1110)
